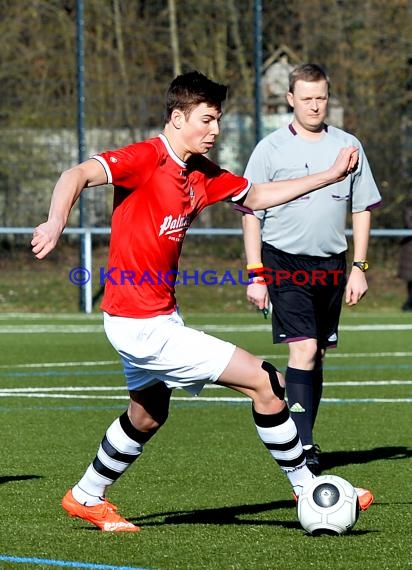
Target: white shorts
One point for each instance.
(163, 349)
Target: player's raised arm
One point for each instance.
(269, 194)
(65, 194)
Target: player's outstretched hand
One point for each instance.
(346, 162)
(45, 237)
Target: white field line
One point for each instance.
(333, 354)
(91, 363)
(8, 394)
(50, 317)
(54, 329)
(99, 316)
(204, 398)
(264, 328)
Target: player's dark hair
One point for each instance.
(190, 90)
(307, 72)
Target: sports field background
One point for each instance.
(205, 491)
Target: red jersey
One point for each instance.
(156, 198)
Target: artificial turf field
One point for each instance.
(206, 492)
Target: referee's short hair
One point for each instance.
(307, 72)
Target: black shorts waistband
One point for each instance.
(285, 254)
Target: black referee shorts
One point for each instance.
(306, 293)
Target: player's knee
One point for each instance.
(273, 374)
(147, 422)
(153, 424)
(303, 354)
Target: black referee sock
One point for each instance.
(317, 392)
(299, 390)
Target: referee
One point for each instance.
(303, 245)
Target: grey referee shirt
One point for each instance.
(313, 224)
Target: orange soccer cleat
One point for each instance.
(103, 515)
(365, 498)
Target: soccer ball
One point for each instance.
(328, 505)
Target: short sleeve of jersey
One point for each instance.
(259, 168)
(226, 186)
(130, 166)
(365, 194)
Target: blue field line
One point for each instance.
(90, 373)
(64, 373)
(65, 563)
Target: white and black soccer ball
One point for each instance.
(328, 505)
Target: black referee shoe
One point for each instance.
(313, 459)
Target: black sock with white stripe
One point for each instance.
(279, 434)
(120, 447)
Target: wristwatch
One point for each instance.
(362, 265)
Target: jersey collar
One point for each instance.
(294, 132)
(171, 152)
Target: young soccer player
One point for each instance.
(160, 186)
